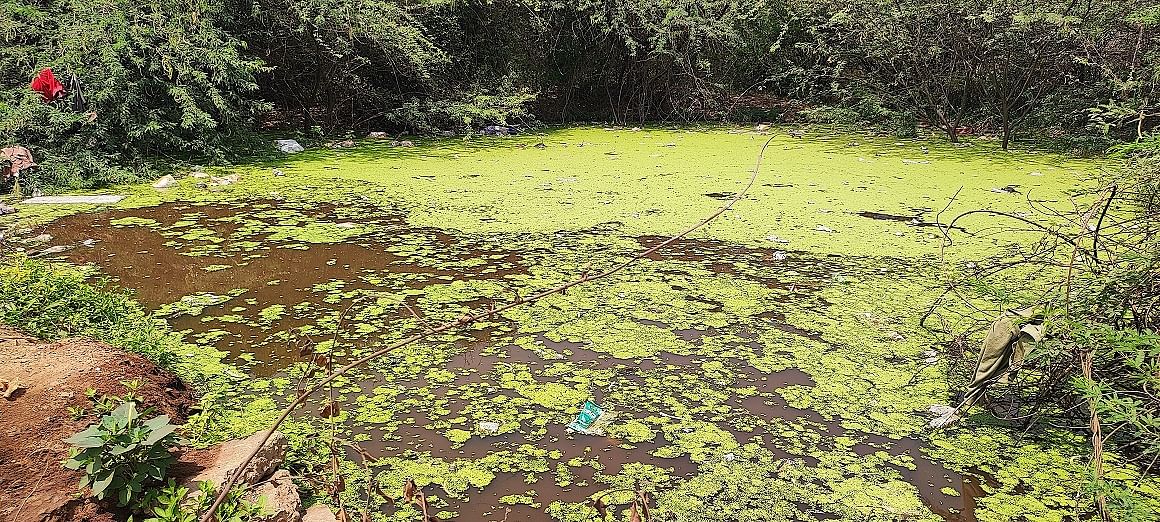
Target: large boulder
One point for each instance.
(228, 460)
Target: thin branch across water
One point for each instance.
(473, 317)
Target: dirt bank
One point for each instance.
(54, 377)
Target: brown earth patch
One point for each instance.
(34, 420)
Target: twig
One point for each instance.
(471, 318)
(1013, 216)
(938, 221)
(1100, 223)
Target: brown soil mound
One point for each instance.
(36, 418)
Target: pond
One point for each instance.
(769, 367)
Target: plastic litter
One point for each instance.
(591, 420)
(488, 427)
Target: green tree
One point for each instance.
(160, 78)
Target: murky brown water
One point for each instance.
(159, 268)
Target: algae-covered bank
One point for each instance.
(770, 366)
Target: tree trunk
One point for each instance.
(950, 127)
(1006, 127)
(952, 132)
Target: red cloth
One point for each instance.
(47, 85)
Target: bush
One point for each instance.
(51, 302)
(121, 455)
(155, 83)
(1096, 274)
(475, 109)
(174, 503)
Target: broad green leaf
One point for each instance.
(156, 422)
(159, 434)
(101, 483)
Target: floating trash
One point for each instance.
(591, 420)
(488, 427)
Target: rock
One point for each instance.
(166, 181)
(231, 454)
(199, 175)
(319, 513)
(823, 228)
(288, 146)
(224, 180)
(9, 389)
(498, 130)
(7, 209)
(279, 499)
(345, 144)
(761, 127)
(406, 143)
(43, 238)
(55, 250)
(378, 135)
(278, 173)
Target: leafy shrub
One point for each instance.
(154, 83)
(174, 503)
(473, 109)
(121, 455)
(1101, 272)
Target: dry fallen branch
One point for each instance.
(472, 317)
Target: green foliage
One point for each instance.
(338, 61)
(179, 80)
(467, 111)
(174, 503)
(1095, 275)
(53, 301)
(121, 455)
(160, 78)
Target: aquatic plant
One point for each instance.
(470, 318)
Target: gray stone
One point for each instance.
(288, 146)
(165, 181)
(56, 250)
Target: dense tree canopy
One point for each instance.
(187, 78)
